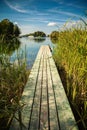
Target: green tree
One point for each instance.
(39, 34)
(6, 27)
(16, 30)
(54, 36)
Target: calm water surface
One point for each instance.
(30, 47)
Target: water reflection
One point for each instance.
(8, 46)
(32, 48)
(23, 47)
(39, 40)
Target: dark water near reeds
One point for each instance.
(29, 48)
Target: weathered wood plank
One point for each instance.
(44, 105)
(54, 125)
(66, 117)
(34, 123)
(27, 97)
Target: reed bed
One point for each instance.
(13, 77)
(71, 55)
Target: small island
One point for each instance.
(35, 35)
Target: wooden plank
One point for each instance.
(66, 117)
(54, 124)
(27, 97)
(34, 123)
(44, 104)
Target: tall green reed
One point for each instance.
(71, 54)
(13, 77)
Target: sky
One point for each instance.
(43, 15)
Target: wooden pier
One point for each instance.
(45, 104)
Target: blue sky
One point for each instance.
(42, 15)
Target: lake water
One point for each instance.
(30, 47)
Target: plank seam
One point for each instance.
(54, 95)
(34, 94)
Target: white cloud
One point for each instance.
(52, 24)
(35, 19)
(16, 23)
(55, 10)
(74, 24)
(15, 7)
(70, 24)
(70, 4)
(26, 29)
